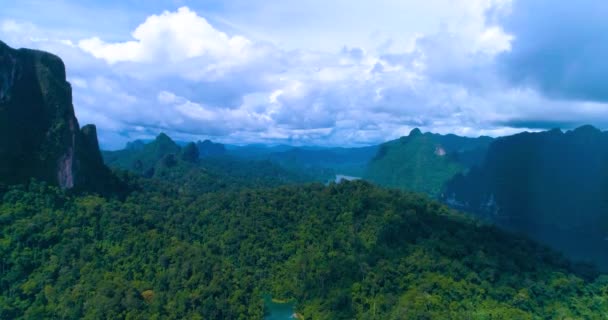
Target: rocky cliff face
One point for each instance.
(551, 185)
(39, 133)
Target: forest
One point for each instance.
(342, 251)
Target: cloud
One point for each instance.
(179, 73)
(559, 48)
(173, 37)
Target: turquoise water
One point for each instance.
(278, 311)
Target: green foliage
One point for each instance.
(424, 162)
(346, 251)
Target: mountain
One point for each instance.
(322, 163)
(325, 163)
(424, 162)
(141, 157)
(135, 145)
(208, 148)
(550, 185)
(39, 134)
(163, 159)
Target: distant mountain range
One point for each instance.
(552, 186)
(322, 163)
(418, 162)
(199, 167)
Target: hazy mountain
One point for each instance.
(208, 148)
(256, 151)
(325, 163)
(551, 185)
(424, 162)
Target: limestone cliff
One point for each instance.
(39, 133)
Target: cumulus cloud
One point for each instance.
(172, 36)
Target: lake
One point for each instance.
(278, 311)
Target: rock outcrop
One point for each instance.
(39, 134)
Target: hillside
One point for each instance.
(550, 185)
(342, 252)
(424, 162)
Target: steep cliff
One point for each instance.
(39, 133)
(551, 185)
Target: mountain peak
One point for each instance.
(415, 132)
(209, 148)
(163, 136)
(586, 129)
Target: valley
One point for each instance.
(426, 226)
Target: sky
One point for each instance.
(331, 73)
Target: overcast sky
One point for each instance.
(331, 72)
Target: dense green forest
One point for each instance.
(342, 251)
